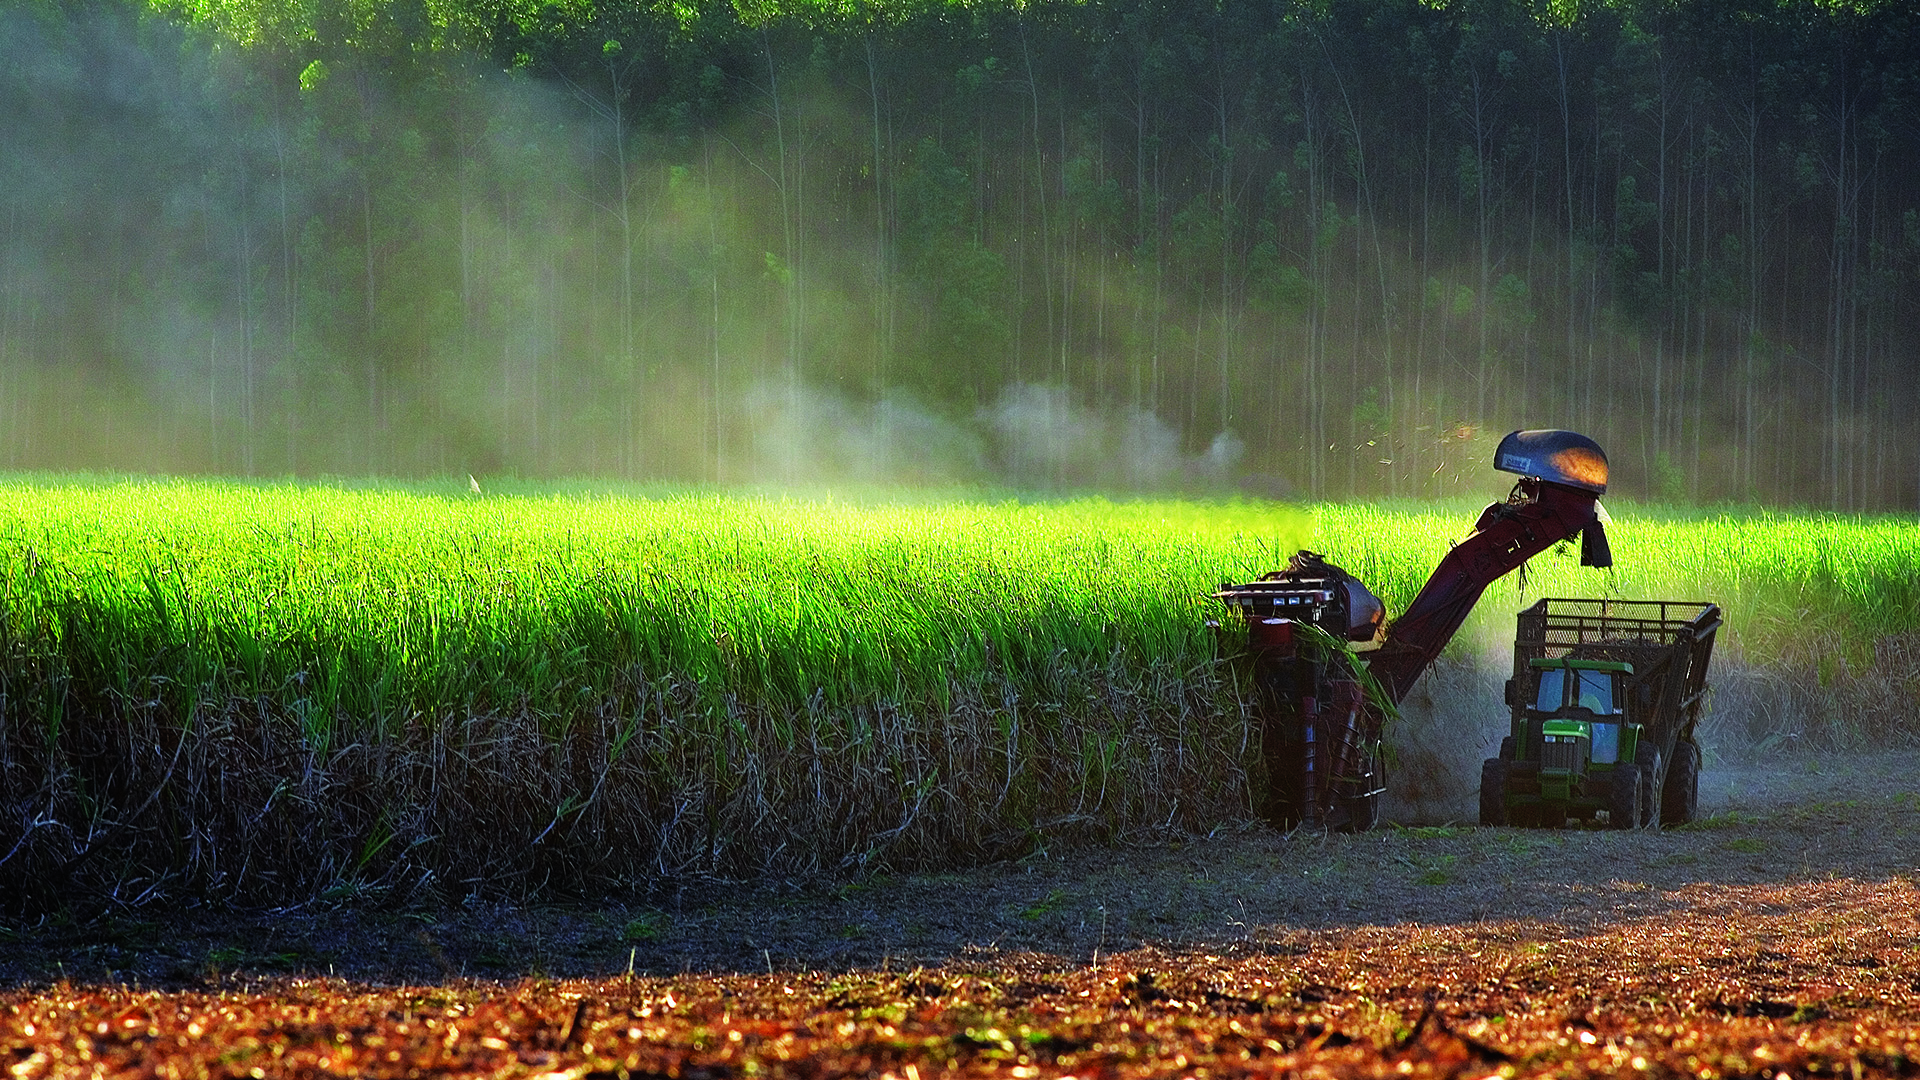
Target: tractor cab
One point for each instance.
(1573, 734)
(1581, 705)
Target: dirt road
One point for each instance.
(1779, 936)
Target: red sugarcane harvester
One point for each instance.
(1325, 667)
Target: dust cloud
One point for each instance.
(213, 263)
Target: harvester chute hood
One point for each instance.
(1558, 457)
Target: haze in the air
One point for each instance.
(1314, 251)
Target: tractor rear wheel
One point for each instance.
(1493, 792)
(1623, 797)
(1651, 773)
(1680, 797)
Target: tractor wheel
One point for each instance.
(1493, 792)
(1623, 797)
(1680, 797)
(1651, 773)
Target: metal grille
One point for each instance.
(1571, 623)
(1562, 752)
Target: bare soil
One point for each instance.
(1778, 936)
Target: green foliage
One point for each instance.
(381, 607)
(812, 680)
(349, 688)
(386, 605)
(1669, 483)
(965, 283)
(1512, 299)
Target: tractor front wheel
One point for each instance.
(1623, 797)
(1362, 813)
(1493, 792)
(1680, 798)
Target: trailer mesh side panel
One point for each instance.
(1668, 642)
(1561, 625)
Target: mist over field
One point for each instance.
(1319, 251)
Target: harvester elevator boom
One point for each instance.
(1541, 514)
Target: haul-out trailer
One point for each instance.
(1324, 664)
(1605, 696)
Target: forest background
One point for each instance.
(1320, 249)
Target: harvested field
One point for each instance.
(1780, 935)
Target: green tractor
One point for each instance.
(1605, 698)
